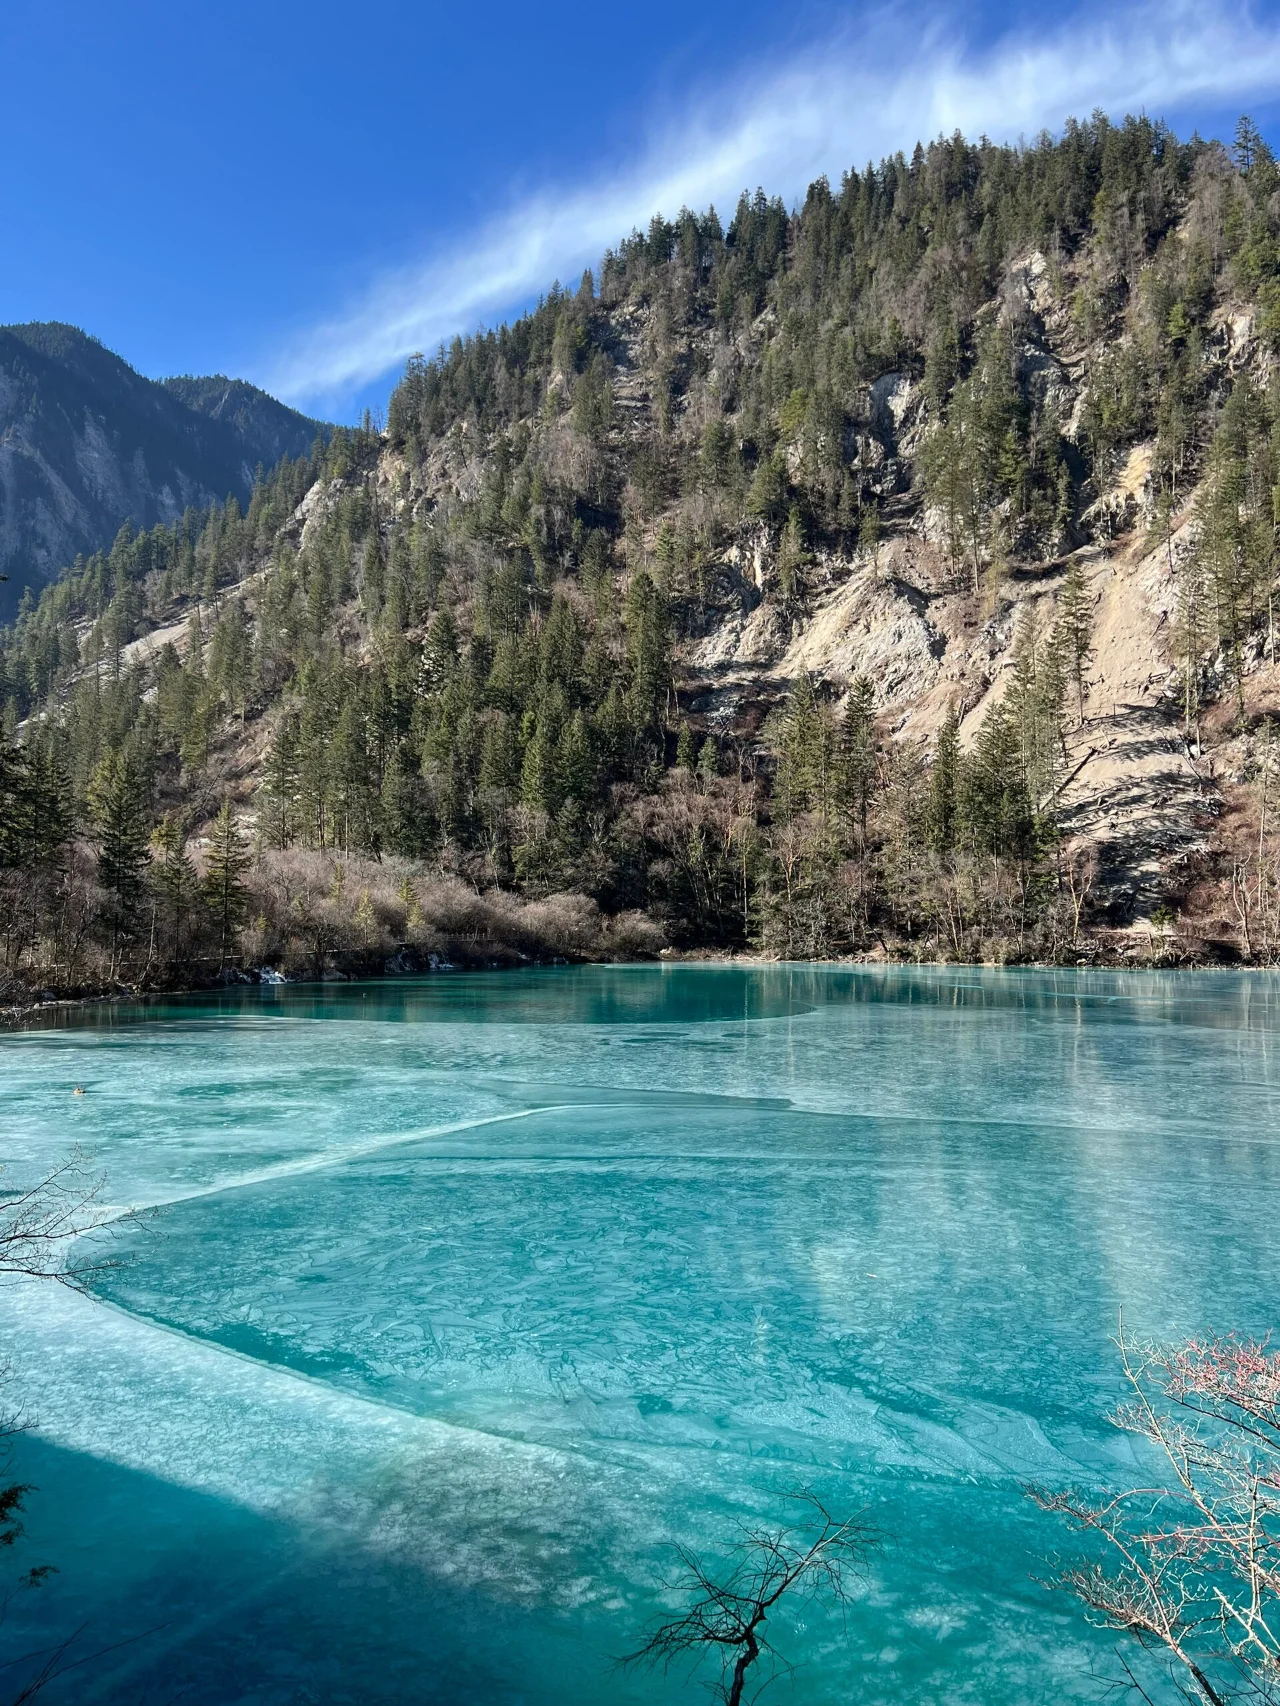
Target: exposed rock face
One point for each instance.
(87, 444)
(877, 624)
(1134, 791)
(1138, 797)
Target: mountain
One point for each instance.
(86, 444)
(267, 429)
(890, 577)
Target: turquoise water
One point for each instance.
(461, 1301)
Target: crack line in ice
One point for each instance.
(317, 1163)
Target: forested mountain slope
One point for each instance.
(87, 444)
(894, 575)
(268, 430)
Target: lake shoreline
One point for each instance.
(24, 1012)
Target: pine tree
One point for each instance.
(942, 358)
(995, 806)
(539, 776)
(956, 466)
(500, 757)
(1245, 147)
(51, 817)
(804, 747)
(648, 653)
(410, 824)
(858, 762)
(944, 782)
(441, 652)
(792, 556)
(576, 761)
(117, 805)
(224, 887)
(354, 799)
(14, 807)
(768, 495)
(281, 783)
(1034, 705)
(1073, 629)
(174, 879)
(685, 752)
(905, 802)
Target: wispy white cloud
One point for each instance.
(838, 104)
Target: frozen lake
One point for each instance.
(462, 1300)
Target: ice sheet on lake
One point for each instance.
(520, 1284)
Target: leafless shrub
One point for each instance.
(566, 923)
(1190, 1563)
(307, 905)
(634, 935)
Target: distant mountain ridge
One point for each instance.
(86, 443)
(270, 427)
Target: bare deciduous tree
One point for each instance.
(1080, 870)
(813, 1558)
(1191, 1563)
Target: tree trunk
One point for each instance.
(746, 1658)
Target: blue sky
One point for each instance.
(302, 194)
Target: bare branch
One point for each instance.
(41, 1223)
